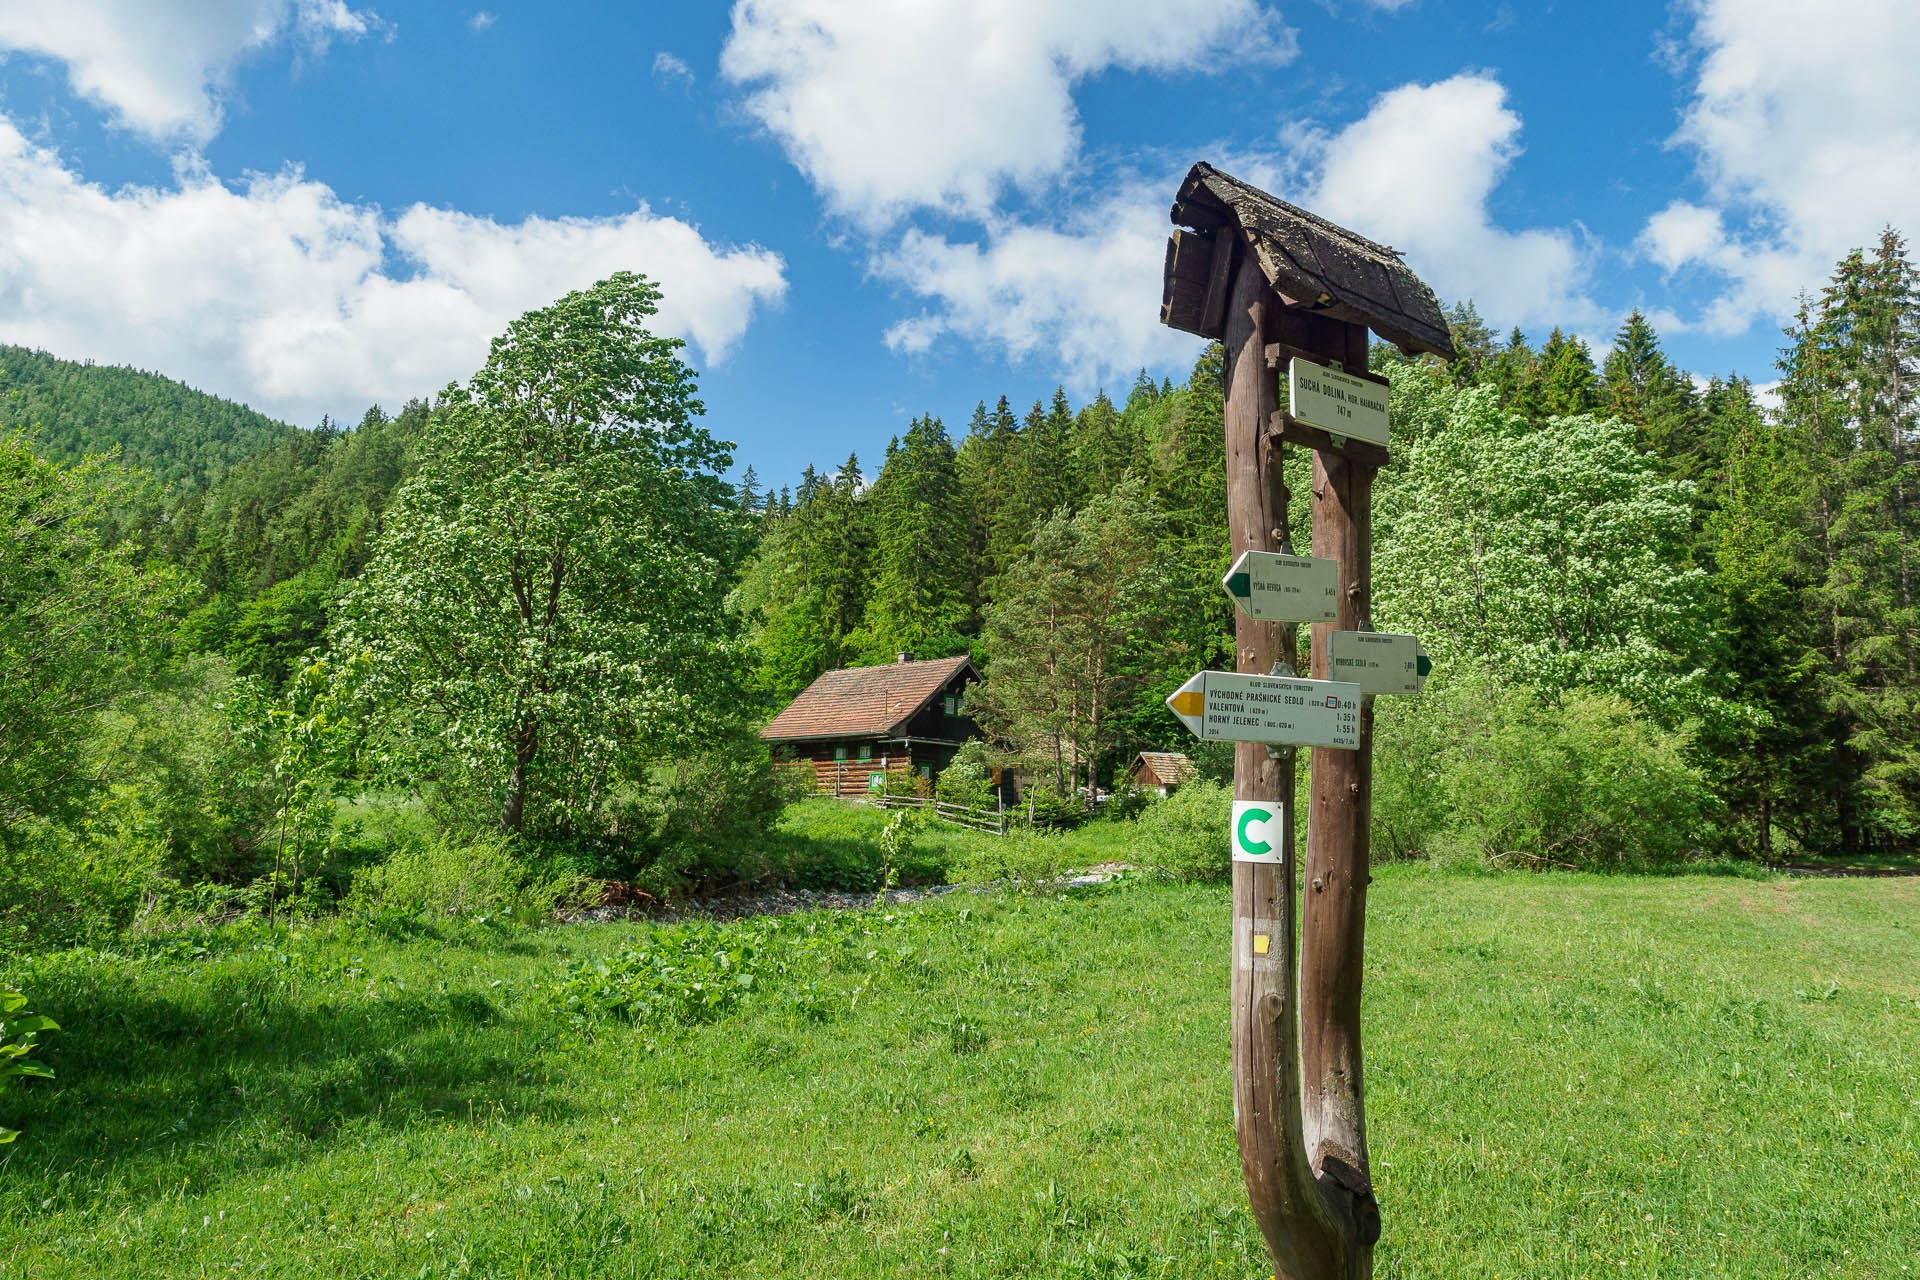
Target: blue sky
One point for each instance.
(863, 210)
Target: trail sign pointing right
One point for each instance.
(1276, 588)
(1377, 661)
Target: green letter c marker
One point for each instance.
(1240, 832)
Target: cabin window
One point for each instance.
(926, 771)
(866, 751)
(953, 704)
(839, 753)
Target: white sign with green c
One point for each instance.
(1259, 831)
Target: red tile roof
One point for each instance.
(864, 702)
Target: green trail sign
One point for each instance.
(1269, 587)
(1377, 661)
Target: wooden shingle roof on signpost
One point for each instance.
(863, 702)
(1313, 264)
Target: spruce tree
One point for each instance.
(919, 600)
(1564, 384)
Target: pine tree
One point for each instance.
(1850, 395)
(1472, 343)
(1564, 383)
(919, 600)
(1512, 372)
(1106, 447)
(1638, 384)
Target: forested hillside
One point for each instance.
(268, 544)
(184, 438)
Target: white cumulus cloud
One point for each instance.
(942, 104)
(1805, 128)
(277, 292)
(1417, 171)
(1083, 296)
(160, 67)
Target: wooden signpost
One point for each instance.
(1285, 290)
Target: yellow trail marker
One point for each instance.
(1187, 702)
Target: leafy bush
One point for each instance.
(19, 1036)
(681, 975)
(450, 877)
(1186, 833)
(969, 793)
(1022, 856)
(189, 774)
(63, 887)
(1048, 808)
(701, 820)
(1127, 801)
(1495, 772)
(973, 762)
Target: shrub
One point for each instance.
(63, 887)
(19, 1036)
(1020, 856)
(460, 878)
(1495, 772)
(1127, 801)
(1186, 833)
(700, 820)
(1051, 809)
(187, 773)
(968, 792)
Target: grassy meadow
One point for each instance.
(1569, 1075)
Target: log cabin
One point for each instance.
(1160, 771)
(900, 720)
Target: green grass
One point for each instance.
(1568, 1076)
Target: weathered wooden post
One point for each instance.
(1285, 291)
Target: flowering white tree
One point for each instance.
(545, 604)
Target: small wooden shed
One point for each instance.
(895, 721)
(1160, 771)
(1317, 268)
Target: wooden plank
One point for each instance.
(1213, 311)
(1189, 264)
(1333, 923)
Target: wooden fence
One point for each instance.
(994, 821)
(997, 821)
(852, 777)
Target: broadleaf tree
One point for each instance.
(545, 607)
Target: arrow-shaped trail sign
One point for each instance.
(1377, 661)
(1276, 588)
(1227, 706)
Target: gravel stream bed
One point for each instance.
(773, 902)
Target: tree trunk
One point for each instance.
(1303, 1233)
(526, 743)
(1335, 917)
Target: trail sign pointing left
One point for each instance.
(1274, 588)
(1228, 706)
